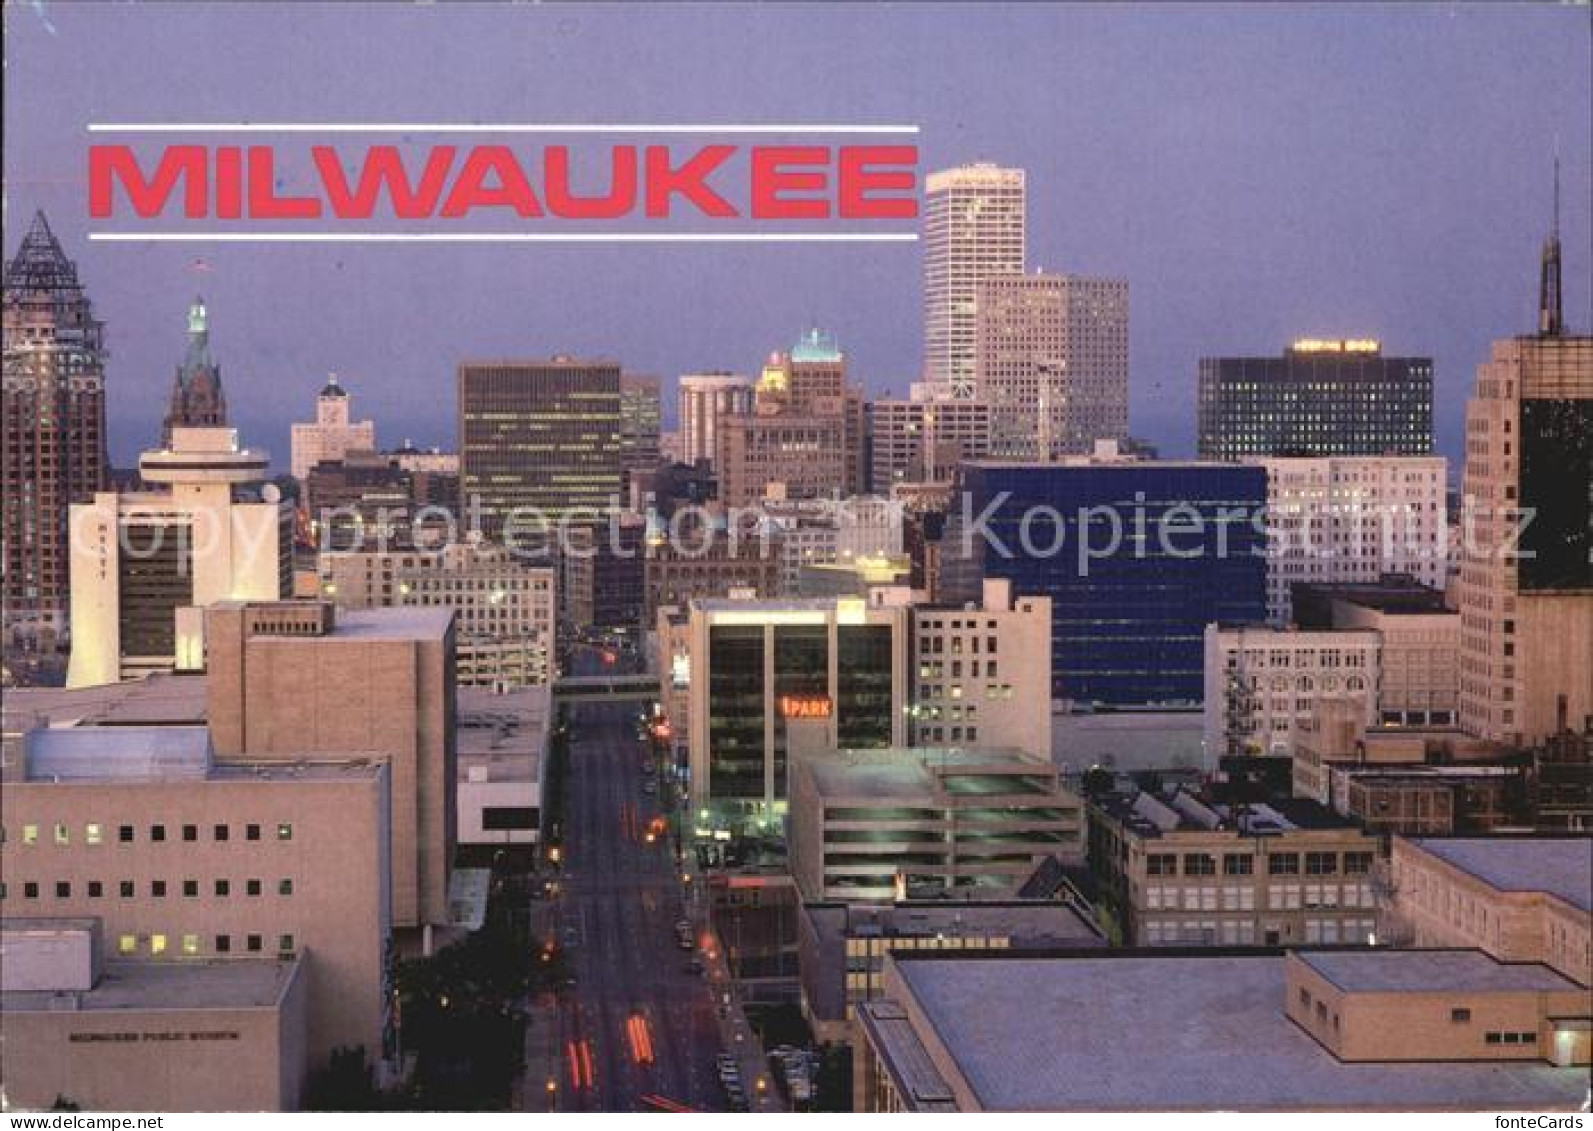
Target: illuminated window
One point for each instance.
(62, 836)
(284, 831)
(190, 944)
(127, 944)
(157, 944)
(93, 834)
(30, 834)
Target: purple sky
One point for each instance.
(1257, 174)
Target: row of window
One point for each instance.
(156, 944)
(95, 833)
(1243, 864)
(127, 889)
(1280, 897)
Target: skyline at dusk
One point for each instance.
(1238, 167)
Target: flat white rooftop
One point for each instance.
(1180, 1033)
(234, 983)
(1431, 971)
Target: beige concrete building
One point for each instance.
(1353, 519)
(506, 609)
(982, 672)
(1263, 687)
(332, 435)
(922, 439)
(805, 437)
(1051, 361)
(203, 1035)
(1526, 587)
(1419, 674)
(185, 860)
(705, 399)
(1412, 1006)
(146, 563)
(1341, 1031)
(889, 824)
(1177, 870)
(1521, 899)
(295, 679)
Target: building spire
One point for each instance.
(1550, 318)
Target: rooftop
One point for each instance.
(1180, 810)
(1561, 866)
(1036, 1032)
(405, 622)
(1431, 971)
(1392, 593)
(123, 753)
(233, 983)
(897, 771)
(1032, 923)
(503, 733)
(159, 698)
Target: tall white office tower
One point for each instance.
(973, 228)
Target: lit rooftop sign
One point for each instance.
(1336, 345)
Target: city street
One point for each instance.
(634, 997)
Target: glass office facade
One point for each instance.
(801, 669)
(736, 711)
(1128, 620)
(1557, 492)
(863, 690)
(1316, 403)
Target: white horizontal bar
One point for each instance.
(505, 237)
(502, 127)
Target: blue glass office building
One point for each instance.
(1128, 615)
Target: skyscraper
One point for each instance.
(1321, 398)
(1051, 360)
(197, 399)
(146, 564)
(805, 437)
(1526, 574)
(923, 439)
(1137, 558)
(973, 228)
(332, 435)
(539, 435)
(52, 443)
(705, 399)
(640, 421)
